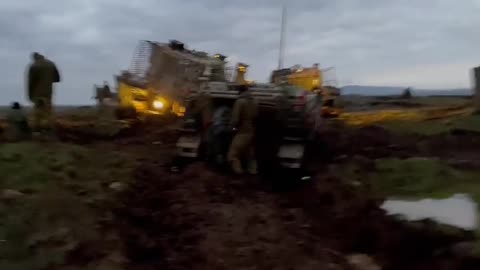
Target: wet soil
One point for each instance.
(202, 219)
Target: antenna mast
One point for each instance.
(282, 38)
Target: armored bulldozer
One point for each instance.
(282, 127)
(160, 77)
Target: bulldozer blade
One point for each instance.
(187, 146)
(291, 155)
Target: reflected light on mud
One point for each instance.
(306, 178)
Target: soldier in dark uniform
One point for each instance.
(42, 73)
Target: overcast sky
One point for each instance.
(419, 43)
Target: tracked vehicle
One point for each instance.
(283, 115)
(160, 77)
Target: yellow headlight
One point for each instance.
(157, 104)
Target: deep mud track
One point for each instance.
(200, 219)
(203, 220)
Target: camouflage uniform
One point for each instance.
(243, 120)
(204, 109)
(41, 76)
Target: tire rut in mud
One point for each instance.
(203, 220)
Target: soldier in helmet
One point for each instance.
(243, 122)
(42, 73)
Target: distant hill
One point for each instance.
(389, 91)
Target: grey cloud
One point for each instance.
(91, 40)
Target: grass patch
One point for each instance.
(40, 231)
(65, 186)
(33, 167)
(419, 178)
(432, 127)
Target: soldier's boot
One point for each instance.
(36, 124)
(234, 153)
(236, 166)
(252, 167)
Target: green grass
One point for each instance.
(432, 127)
(419, 178)
(38, 232)
(65, 186)
(415, 178)
(27, 166)
(33, 167)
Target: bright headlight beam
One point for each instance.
(158, 104)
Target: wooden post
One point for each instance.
(282, 38)
(476, 88)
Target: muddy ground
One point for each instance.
(200, 218)
(210, 221)
(204, 219)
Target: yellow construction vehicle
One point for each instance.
(241, 71)
(308, 78)
(161, 76)
(311, 80)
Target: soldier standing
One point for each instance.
(102, 94)
(42, 73)
(218, 135)
(243, 121)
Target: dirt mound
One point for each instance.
(371, 141)
(157, 134)
(349, 215)
(92, 131)
(459, 143)
(122, 132)
(203, 220)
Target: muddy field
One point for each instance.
(201, 218)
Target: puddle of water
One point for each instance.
(459, 210)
